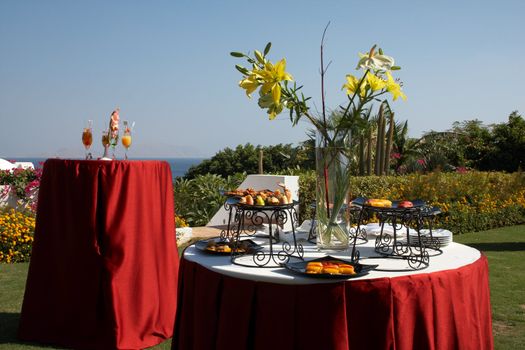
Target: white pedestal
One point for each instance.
(262, 182)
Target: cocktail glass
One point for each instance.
(87, 137)
(105, 143)
(126, 138)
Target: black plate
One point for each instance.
(300, 268)
(202, 245)
(268, 207)
(229, 195)
(417, 203)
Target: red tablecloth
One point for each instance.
(440, 310)
(104, 267)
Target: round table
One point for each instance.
(224, 306)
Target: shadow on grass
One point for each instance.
(9, 329)
(499, 246)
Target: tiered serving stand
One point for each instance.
(405, 233)
(244, 220)
(403, 238)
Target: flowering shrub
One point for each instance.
(471, 201)
(16, 236)
(23, 183)
(180, 222)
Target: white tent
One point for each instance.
(6, 165)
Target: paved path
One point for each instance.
(206, 231)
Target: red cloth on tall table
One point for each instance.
(104, 266)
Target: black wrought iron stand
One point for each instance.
(247, 218)
(230, 207)
(414, 248)
(427, 216)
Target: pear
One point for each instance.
(287, 192)
(259, 200)
(288, 195)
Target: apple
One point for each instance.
(405, 204)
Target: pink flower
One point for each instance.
(31, 187)
(113, 123)
(395, 155)
(461, 170)
(421, 162)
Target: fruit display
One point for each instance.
(333, 267)
(405, 204)
(379, 203)
(250, 196)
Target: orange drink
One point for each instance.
(87, 138)
(126, 140)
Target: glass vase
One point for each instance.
(333, 158)
(105, 144)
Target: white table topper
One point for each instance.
(454, 256)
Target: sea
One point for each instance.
(179, 166)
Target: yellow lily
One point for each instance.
(375, 82)
(394, 88)
(250, 84)
(272, 75)
(274, 110)
(352, 84)
(267, 101)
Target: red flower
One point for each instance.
(461, 170)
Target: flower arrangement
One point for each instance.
(277, 91)
(111, 137)
(113, 127)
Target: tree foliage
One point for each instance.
(468, 144)
(498, 147)
(245, 158)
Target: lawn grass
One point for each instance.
(505, 249)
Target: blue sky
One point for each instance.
(166, 64)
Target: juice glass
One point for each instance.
(126, 138)
(105, 143)
(87, 138)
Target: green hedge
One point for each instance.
(472, 201)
